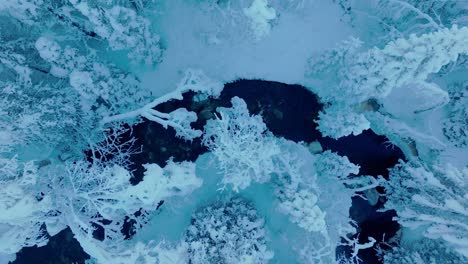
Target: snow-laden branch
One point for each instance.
(356, 247)
(353, 243)
(395, 127)
(418, 12)
(94, 195)
(363, 183)
(433, 200)
(180, 119)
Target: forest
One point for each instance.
(233, 131)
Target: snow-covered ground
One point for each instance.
(222, 45)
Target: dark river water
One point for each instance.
(289, 111)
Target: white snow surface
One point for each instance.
(206, 40)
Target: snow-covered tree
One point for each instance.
(423, 251)
(260, 14)
(405, 63)
(390, 19)
(314, 190)
(332, 165)
(227, 233)
(116, 23)
(57, 96)
(138, 252)
(23, 208)
(122, 28)
(249, 20)
(242, 145)
(335, 124)
(323, 66)
(59, 88)
(101, 86)
(432, 199)
(296, 188)
(401, 62)
(456, 126)
(74, 95)
(91, 198)
(95, 197)
(418, 97)
(406, 136)
(31, 111)
(60, 92)
(303, 210)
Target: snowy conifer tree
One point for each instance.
(242, 145)
(433, 199)
(229, 233)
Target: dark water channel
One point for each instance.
(289, 111)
